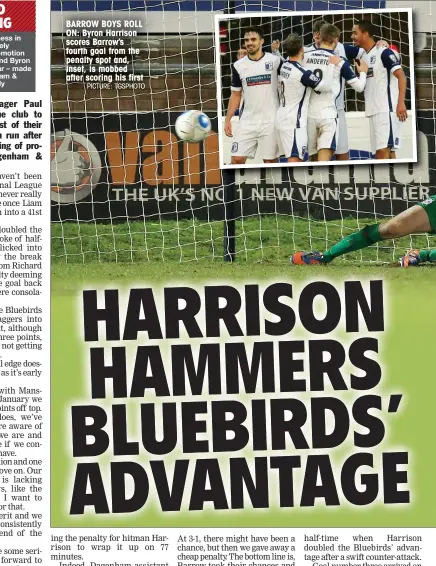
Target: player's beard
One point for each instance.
(253, 51)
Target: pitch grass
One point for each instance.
(135, 253)
(269, 239)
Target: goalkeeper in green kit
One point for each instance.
(420, 218)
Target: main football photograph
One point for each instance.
(315, 88)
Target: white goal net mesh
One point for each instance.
(124, 188)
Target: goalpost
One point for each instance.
(124, 188)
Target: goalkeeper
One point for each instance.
(420, 218)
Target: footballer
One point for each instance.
(385, 92)
(420, 218)
(323, 130)
(346, 51)
(295, 86)
(254, 76)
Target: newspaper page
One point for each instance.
(216, 347)
(24, 284)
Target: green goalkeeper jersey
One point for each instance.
(429, 205)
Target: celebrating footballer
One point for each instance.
(255, 76)
(293, 105)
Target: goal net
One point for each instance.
(124, 188)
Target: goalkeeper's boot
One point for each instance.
(307, 258)
(411, 259)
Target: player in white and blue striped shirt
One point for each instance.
(349, 52)
(296, 85)
(384, 93)
(323, 128)
(335, 136)
(255, 77)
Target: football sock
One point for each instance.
(427, 255)
(356, 241)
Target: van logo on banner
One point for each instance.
(75, 167)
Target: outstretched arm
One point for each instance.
(353, 52)
(318, 83)
(275, 49)
(356, 83)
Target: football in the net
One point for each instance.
(193, 126)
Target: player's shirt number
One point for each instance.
(318, 74)
(282, 94)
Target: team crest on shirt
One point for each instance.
(268, 66)
(234, 147)
(372, 60)
(397, 141)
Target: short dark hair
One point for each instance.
(318, 25)
(254, 29)
(292, 45)
(367, 26)
(328, 33)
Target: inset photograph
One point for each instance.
(315, 88)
